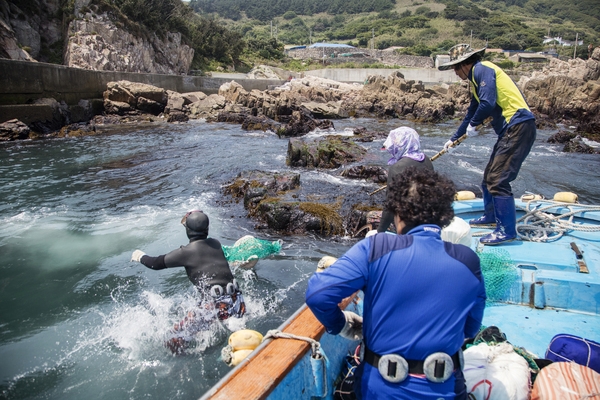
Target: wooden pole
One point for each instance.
(435, 157)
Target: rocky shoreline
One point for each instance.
(562, 93)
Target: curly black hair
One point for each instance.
(421, 196)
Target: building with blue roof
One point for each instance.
(331, 45)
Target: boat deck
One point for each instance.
(533, 329)
(553, 293)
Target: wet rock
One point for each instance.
(177, 116)
(577, 145)
(300, 218)
(232, 117)
(14, 130)
(266, 196)
(261, 123)
(58, 116)
(368, 172)
(361, 134)
(326, 152)
(76, 130)
(301, 122)
(254, 186)
(561, 137)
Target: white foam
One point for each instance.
(469, 167)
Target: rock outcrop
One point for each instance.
(33, 31)
(29, 36)
(96, 43)
(567, 90)
(124, 97)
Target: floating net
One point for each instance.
(249, 247)
(499, 272)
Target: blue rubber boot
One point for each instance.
(489, 216)
(506, 222)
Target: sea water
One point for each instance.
(78, 320)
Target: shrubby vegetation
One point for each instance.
(236, 32)
(265, 10)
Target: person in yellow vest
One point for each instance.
(494, 94)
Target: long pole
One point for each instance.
(435, 157)
(576, 39)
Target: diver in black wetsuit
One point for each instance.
(207, 268)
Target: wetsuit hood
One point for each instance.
(196, 225)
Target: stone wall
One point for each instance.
(362, 55)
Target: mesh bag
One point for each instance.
(499, 273)
(249, 247)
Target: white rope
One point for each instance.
(276, 333)
(537, 225)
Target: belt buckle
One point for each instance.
(438, 367)
(393, 368)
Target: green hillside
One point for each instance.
(421, 27)
(241, 33)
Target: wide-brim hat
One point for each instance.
(458, 54)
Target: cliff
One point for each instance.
(33, 31)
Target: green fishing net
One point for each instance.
(249, 247)
(499, 272)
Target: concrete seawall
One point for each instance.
(22, 82)
(429, 76)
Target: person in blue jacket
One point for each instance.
(494, 94)
(423, 297)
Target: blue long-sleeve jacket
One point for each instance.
(421, 295)
(493, 94)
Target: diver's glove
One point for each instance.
(352, 329)
(448, 146)
(137, 255)
(472, 131)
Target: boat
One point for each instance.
(551, 286)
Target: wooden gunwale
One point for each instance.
(258, 375)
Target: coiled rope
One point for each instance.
(537, 225)
(540, 226)
(315, 345)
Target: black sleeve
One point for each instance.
(387, 217)
(155, 263)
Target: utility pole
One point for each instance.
(575, 49)
(373, 42)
